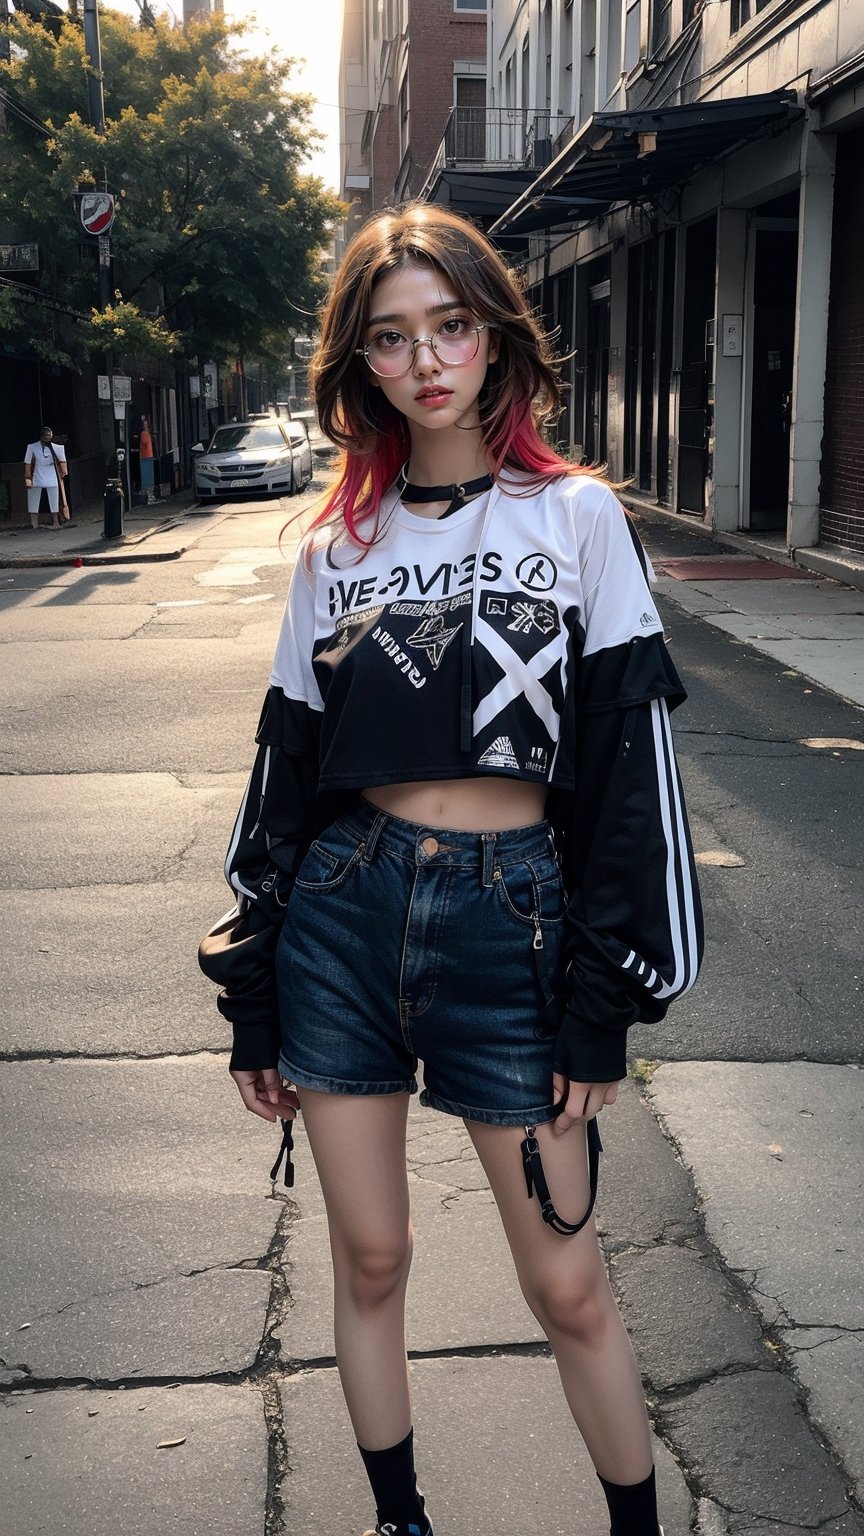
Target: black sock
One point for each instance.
(632, 1507)
(394, 1484)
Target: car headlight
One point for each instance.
(279, 458)
(208, 468)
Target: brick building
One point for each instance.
(405, 65)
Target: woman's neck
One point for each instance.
(446, 458)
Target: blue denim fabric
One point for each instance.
(402, 942)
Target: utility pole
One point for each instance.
(96, 104)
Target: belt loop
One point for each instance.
(489, 839)
(375, 831)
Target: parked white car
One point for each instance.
(248, 458)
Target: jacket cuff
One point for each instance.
(256, 1038)
(586, 1054)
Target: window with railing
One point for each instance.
(744, 11)
(632, 34)
(661, 25)
(469, 118)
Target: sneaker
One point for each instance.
(400, 1530)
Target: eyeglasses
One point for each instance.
(391, 355)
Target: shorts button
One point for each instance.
(430, 846)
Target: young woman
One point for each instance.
(464, 838)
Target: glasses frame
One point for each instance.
(424, 341)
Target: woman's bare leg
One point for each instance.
(564, 1282)
(358, 1143)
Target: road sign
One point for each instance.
(97, 212)
(122, 388)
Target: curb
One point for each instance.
(127, 552)
(840, 567)
(24, 562)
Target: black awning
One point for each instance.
(477, 193)
(619, 157)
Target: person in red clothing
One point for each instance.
(145, 458)
(464, 838)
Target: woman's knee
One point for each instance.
(571, 1300)
(373, 1269)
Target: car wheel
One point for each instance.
(292, 483)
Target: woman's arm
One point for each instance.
(634, 916)
(274, 826)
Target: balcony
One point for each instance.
(495, 139)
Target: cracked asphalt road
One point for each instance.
(165, 1340)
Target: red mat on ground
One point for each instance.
(731, 568)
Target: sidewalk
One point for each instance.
(811, 622)
(163, 531)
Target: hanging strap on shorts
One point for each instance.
(285, 1151)
(535, 1178)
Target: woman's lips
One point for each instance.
(433, 397)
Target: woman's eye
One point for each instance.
(387, 341)
(457, 325)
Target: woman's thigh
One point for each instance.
(358, 1143)
(548, 1265)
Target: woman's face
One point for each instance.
(413, 302)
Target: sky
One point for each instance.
(307, 30)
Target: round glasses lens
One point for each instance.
(389, 354)
(456, 340)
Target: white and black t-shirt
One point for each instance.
(461, 646)
(516, 638)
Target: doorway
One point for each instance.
(597, 370)
(697, 366)
(771, 282)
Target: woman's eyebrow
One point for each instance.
(437, 309)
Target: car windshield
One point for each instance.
(228, 439)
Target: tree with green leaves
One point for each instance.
(219, 231)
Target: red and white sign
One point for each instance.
(97, 212)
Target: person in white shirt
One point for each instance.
(45, 469)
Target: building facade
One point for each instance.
(405, 65)
(682, 182)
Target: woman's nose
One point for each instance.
(425, 359)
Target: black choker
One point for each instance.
(456, 495)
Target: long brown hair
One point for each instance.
(520, 391)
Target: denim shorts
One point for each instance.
(404, 942)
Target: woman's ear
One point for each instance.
(494, 346)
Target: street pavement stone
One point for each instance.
(82, 1463)
(497, 1452)
(633, 1210)
(110, 971)
(683, 1316)
(775, 1151)
(195, 1326)
(159, 1166)
(830, 1367)
(748, 1447)
(835, 662)
(94, 829)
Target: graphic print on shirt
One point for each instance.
(433, 636)
(520, 651)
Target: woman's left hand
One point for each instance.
(264, 1094)
(583, 1101)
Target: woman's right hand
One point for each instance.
(263, 1094)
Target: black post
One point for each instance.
(96, 105)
